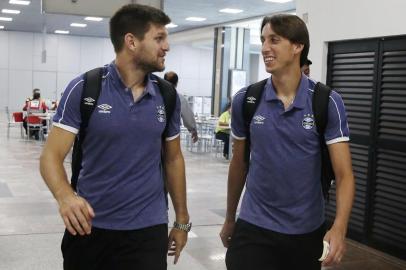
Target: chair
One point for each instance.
(34, 123)
(14, 120)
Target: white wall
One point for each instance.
(348, 19)
(194, 67)
(21, 68)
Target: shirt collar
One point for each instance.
(300, 99)
(150, 85)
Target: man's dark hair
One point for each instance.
(308, 62)
(135, 19)
(171, 77)
(292, 28)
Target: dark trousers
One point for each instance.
(253, 247)
(225, 137)
(109, 249)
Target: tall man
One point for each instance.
(281, 221)
(305, 68)
(186, 112)
(118, 217)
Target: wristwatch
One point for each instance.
(184, 227)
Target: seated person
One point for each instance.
(223, 129)
(34, 105)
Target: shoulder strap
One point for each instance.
(321, 98)
(168, 93)
(90, 95)
(251, 101)
(88, 101)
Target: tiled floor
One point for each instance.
(31, 230)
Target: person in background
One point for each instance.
(185, 111)
(34, 105)
(281, 223)
(306, 67)
(118, 216)
(223, 129)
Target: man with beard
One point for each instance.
(117, 219)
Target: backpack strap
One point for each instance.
(168, 93)
(321, 98)
(91, 92)
(252, 99)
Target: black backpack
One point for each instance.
(91, 91)
(320, 109)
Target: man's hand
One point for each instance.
(76, 213)
(336, 238)
(176, 243)
(226, 233)
(194, 135)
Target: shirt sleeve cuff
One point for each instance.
(236, 137)
(172, 138)
(337, 140)
(67, 128)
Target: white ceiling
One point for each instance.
(32, 19)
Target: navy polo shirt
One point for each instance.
(283, 190)
(121, 176)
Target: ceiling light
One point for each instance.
(65, 32)
(1, 26)
(195, 19)
(78, 25)
(231, 10)
(171, 25)
(6, 19)
(19, 2)
(278, 1)
(10, 11)
(94, 19)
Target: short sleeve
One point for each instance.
(174, 122)
(238, 129)
(67, 115)
(337, 127)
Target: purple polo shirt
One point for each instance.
(121, 176)
(283, 190)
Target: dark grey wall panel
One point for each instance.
(370, 75)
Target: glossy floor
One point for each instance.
(31, 230)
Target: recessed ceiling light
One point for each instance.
(10, 11)
(1, 26)
(231, 10)
(94, 19)
(278, 1)
(6, 19)
(78, 25)
(65, 32)
(195, 19)
(171, 25)
(20, 2)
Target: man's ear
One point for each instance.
(298, 48)
(130, 42)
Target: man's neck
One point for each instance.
(286, 84)
(132, 76)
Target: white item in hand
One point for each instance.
(326, 250)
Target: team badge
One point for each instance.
(308, 121)
(160, 113)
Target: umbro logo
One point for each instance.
(258, 119)
(104, 108)
(251, 100)
(89, 101)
